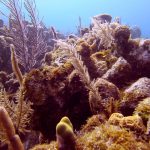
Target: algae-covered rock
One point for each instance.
(136, 52)
(134, 94)
(109, 95)
(119, 73)
(55, 94)
(122, 35)
(143, 109)
(103, 60)
(93, 122)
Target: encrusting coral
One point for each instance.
(108, 137)
(134, 123)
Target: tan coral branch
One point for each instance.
(10, 130)
(15, 65)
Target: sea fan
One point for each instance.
(17, 30)
(104, 32)
(83, 73)
(27, 38)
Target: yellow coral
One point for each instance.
(133, 123)
(115, 118)
(51, 146)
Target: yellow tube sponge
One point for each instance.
(65, 135)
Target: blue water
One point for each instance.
(64, 14)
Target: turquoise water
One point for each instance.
(64, 14)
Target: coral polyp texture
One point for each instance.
(98, 78)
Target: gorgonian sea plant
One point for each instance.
(84, 74)
(27, 37)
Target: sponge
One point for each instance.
(65, 135)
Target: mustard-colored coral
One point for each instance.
(109, 137)
(115, 118)
(133, 123)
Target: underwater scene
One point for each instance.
(74, 75)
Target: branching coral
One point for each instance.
(15, 65)
(10, 130)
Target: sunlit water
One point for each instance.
(64, 14)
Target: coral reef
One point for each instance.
(54, 93)
(101, 74)
(8, 82)
(108, 137)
